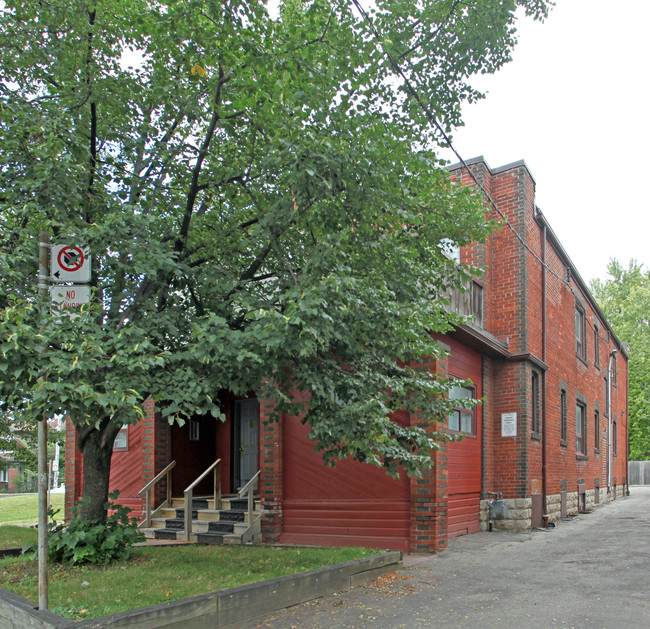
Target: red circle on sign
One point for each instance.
(70, 259)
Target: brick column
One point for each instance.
(429, 492)
(271, 473)
(156, 449)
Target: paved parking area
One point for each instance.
(592, 571)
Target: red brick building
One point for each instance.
(550, 436)
(9, 474)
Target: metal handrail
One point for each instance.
(149, 486)
(216, 487)
(247, 489)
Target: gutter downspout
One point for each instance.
(543, 409)
(627, 419)
(609, 412)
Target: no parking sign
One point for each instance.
(70, 263)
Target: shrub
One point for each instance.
(81, 541)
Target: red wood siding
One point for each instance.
(350, 504)
(374, 523)
(127, 470)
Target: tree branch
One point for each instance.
(434, 34)
(203, 152)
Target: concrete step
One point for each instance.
(165, 534)
(220, 527)
(210, 526)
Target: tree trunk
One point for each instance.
(96, 446)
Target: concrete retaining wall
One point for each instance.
(232, 608)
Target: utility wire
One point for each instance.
(433, 120)
(431, 117)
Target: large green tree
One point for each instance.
(624, 297)
(263, 204)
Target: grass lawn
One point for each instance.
(23, 509)
(14, 536)
(159, 574)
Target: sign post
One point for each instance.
(43, 246)
(64, 264)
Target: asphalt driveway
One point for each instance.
(592, 571)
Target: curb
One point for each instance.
(234, 608)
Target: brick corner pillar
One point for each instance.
(271, 474)
(428, 502)
(429, 506)
(162, 448)
(156, 449)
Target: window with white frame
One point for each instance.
(581, 332)
(581, 428)
(122, 439)
(450, 249)
(462, 419)
(535, 403)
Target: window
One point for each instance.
(581, 333)
(4, 475)
(606, 396)
(477, 304)
(563, 418)
(122, 439)
(596, 346)
(596, 431)
(194, 430)
(581, 428)
(535, 421)
(461, 419)
(450, 249)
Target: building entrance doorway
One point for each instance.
(245, 441)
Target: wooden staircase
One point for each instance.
(228, 523)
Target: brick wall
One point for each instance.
(271, 477)
(531, 292)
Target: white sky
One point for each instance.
(573, 105)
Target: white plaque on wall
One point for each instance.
(508, 424)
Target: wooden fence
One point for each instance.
(638, 472)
